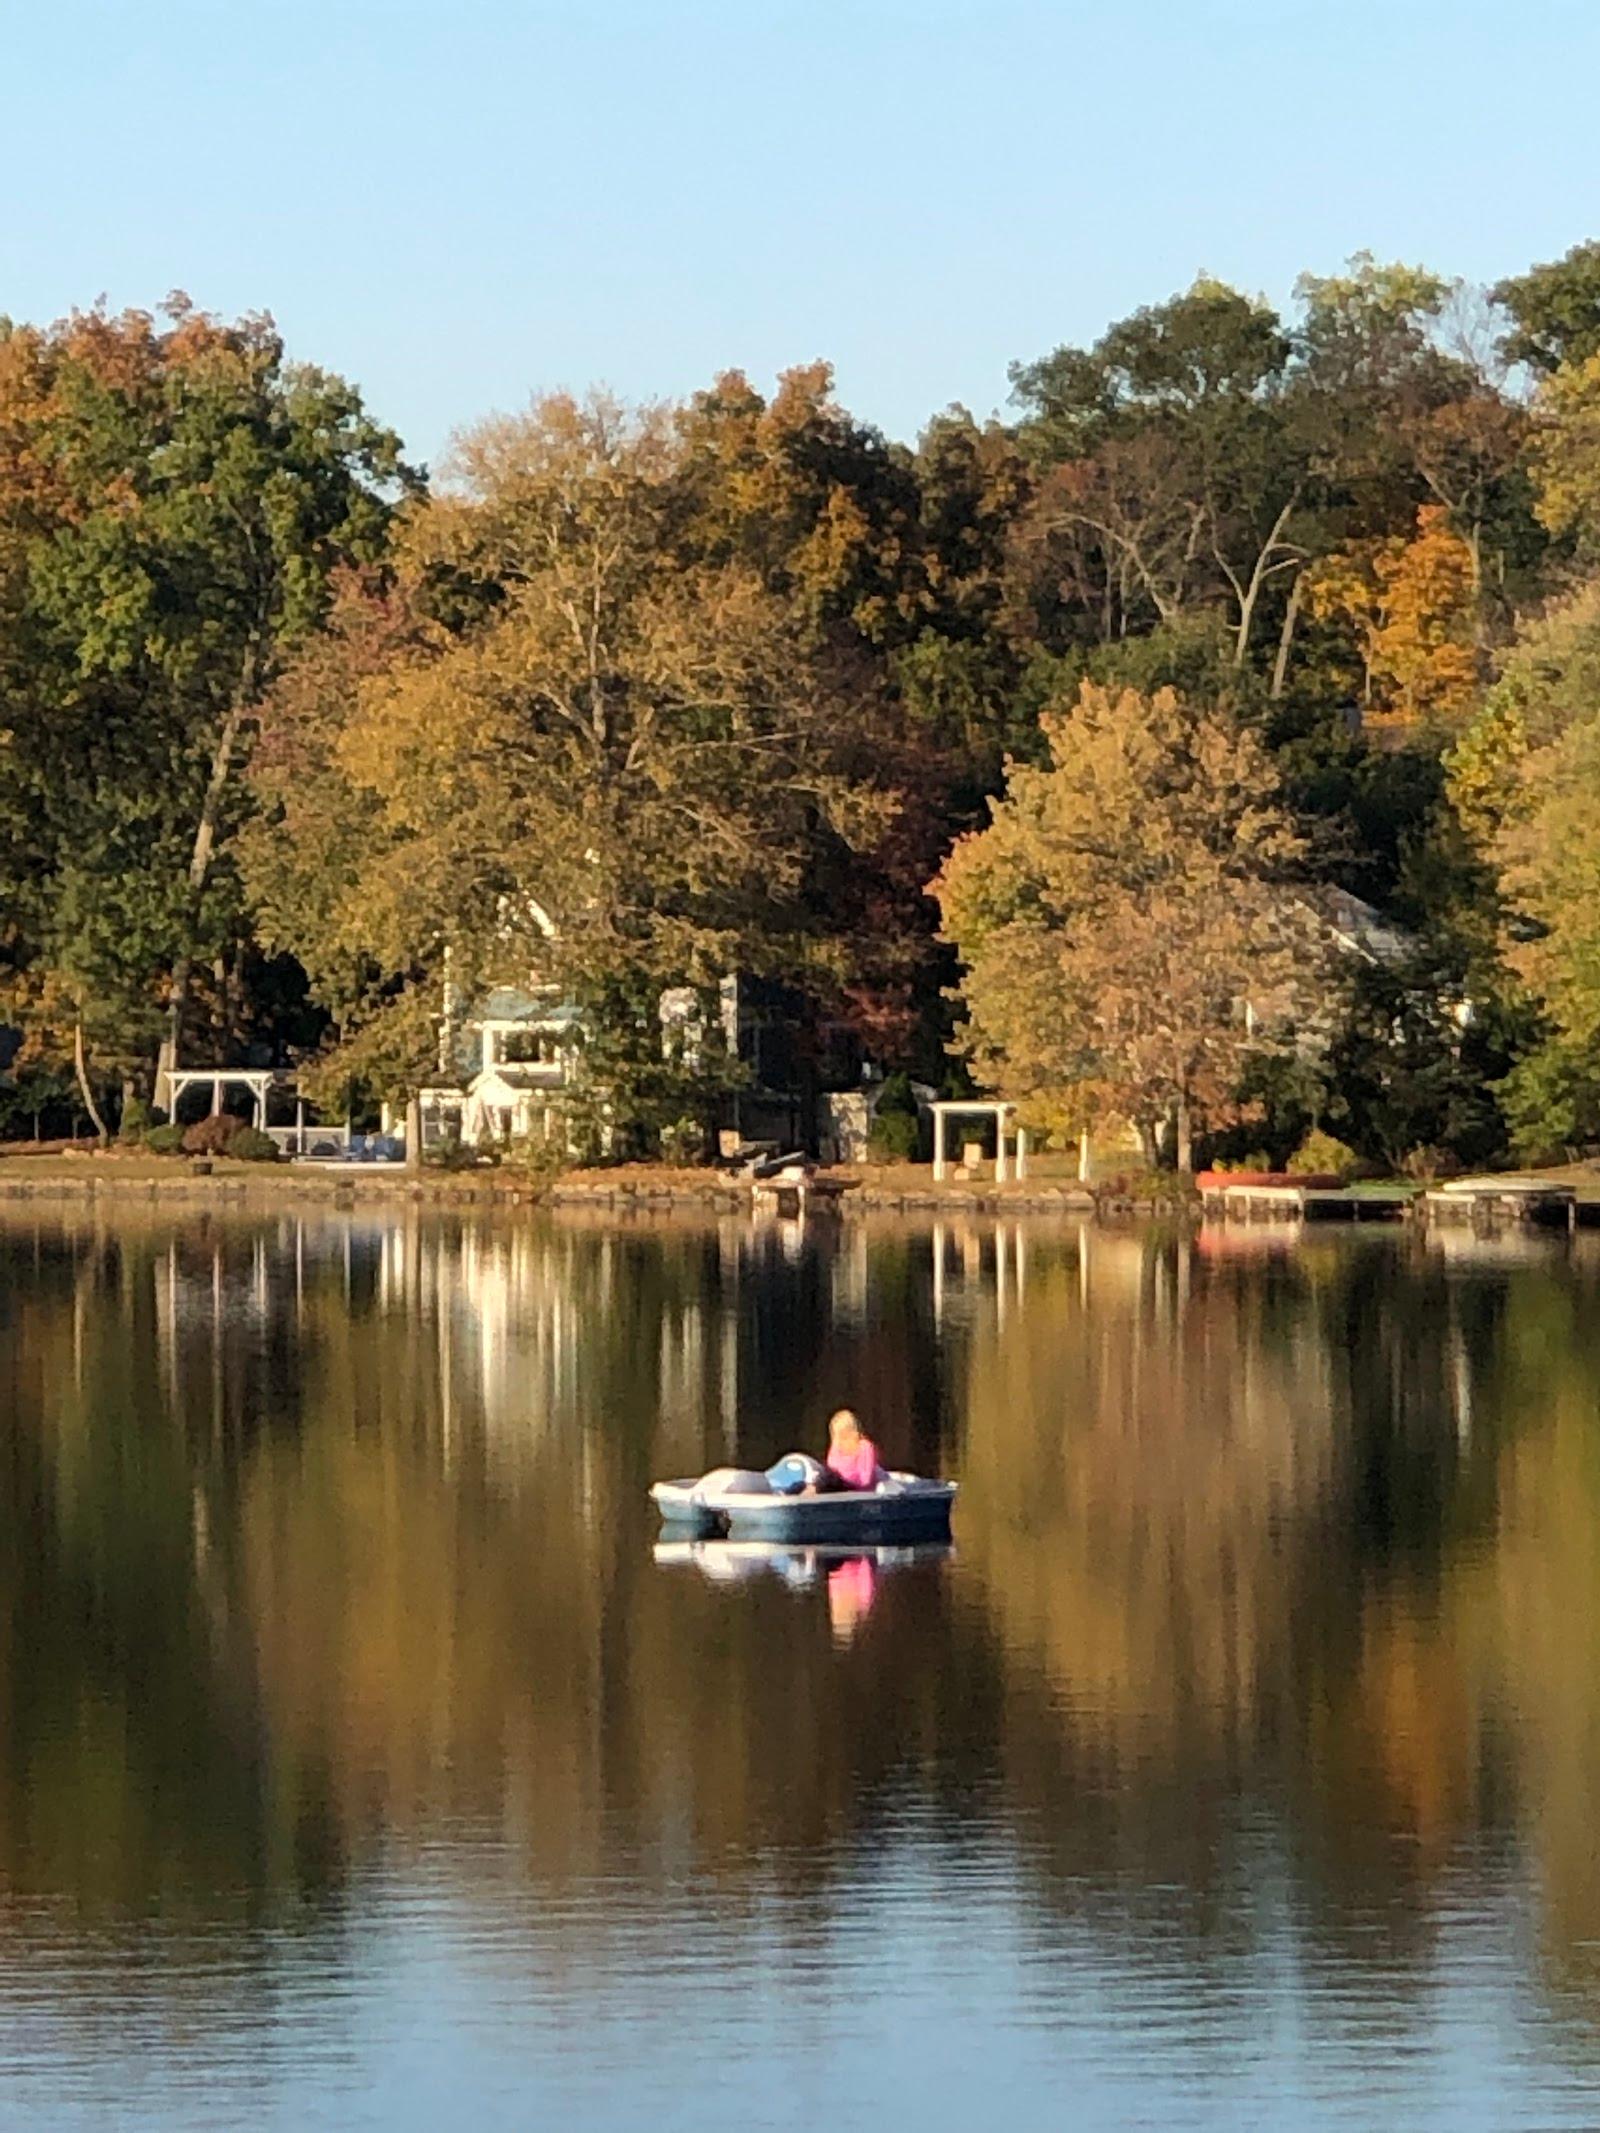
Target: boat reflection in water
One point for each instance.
(848, 1576)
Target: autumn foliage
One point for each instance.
(644, 694)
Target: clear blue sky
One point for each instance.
(461, 202)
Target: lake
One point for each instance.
(361, 1764)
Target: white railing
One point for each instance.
(330, 1142)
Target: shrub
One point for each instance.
(1551, 1102)
(249, 1145)
(1164, 1190)
(226, 1135)
(1425, 1164)
(210, 1136)
(1257, 1163)
(541, 1155)
(895, 1126)
(683, 1141)
(164, 1140)
(136, 1120)
(1321, 1155)
(451, 1154)
(893, 1138)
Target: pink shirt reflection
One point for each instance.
(852, 1587)
(857, 1468)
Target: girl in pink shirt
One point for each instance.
(852, 1456)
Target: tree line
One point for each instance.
(1239, 606)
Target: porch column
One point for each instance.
(1000, 1172)
(938, 1144)
(1022, 1153)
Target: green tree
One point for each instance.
(1555, 310)
(1525, 780)
(1171, 480)
(173, 502)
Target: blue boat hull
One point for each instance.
(914, 1511)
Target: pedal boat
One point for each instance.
(903, 1509)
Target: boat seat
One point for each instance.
(733, 1481)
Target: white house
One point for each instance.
(502, 1070)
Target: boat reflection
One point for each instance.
(850, 1576)
(729, 1562)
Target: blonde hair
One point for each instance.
(842, 1422)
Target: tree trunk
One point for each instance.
(1291, 615)
(172, 1039)
(205, 840)
(1183, 1129)
(81, 1065)
(1259, 572)
(1149, 1148)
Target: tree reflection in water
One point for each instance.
(326, 1540)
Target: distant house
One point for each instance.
(1356, 932)
(503, 1070)
(508, 1065)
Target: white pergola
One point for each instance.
(216, 1079)
(1001, 1113)
(260, 1081)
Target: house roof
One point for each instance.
(512, 1003)
(1359, 926)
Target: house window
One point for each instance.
(529, 1047)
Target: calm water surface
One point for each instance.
(361, 1764)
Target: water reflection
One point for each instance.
(1255, 1717)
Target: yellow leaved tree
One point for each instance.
(1411, 606)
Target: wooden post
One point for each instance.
(1000, 1172)
(938, 1144)
(1022, 1153)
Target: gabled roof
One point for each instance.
(1358, 926)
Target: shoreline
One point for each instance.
(162, 1182)
(180, 1185)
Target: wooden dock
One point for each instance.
(1303, 1203)
(1491, 1203)
(798, 1191)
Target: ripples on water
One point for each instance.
(360, 1764)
